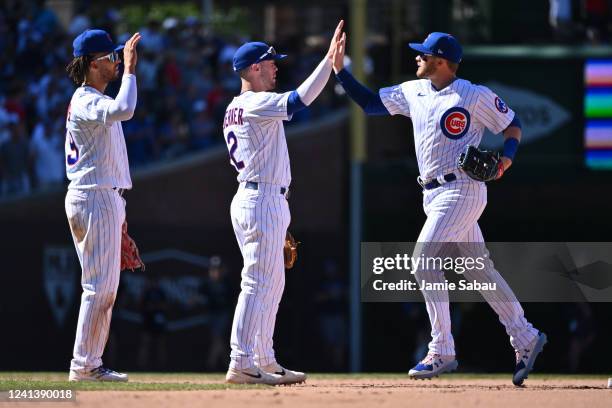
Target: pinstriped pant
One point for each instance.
(260, 219)
(452, 213)
(95, 218)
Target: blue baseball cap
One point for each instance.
(440, 45)
(253, 53)
(93, 41)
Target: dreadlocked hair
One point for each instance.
(78, 68)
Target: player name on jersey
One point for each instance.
(233, 116)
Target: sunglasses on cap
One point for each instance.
(270, 51)
(425, 57)
(112, 57)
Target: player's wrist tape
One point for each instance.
(510, 147)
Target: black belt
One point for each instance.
(119, 190)
(435, 183)
(255, 186)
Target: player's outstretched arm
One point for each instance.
(124, 104)
(370, 102)
(308, 91)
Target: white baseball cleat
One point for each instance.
(432, 366)
(97, 374)
(252, 375)
(287, 376)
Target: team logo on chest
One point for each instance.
(455, 123)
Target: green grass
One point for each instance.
(201, 381)
(138, 382)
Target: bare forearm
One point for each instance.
(514, 132)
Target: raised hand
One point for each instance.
(130, 57)
(334, 41)
(338, 56)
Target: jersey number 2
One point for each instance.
(232, 144)
(73, 151)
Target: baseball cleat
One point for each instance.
(287, 376)
(252, 375)
(97, 374)
(526, 357)
(432, 366)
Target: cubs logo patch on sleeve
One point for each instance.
(455, 123)
(501, 105)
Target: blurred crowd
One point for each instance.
(185, 81)
(576, 21)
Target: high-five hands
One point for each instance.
(333, 45)
(338, 56)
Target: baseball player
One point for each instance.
(448, 113)
(255, 137)
(98, 170)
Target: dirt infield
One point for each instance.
(363, 391)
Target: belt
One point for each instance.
(119, 190)
(255, 186)
(437, 182)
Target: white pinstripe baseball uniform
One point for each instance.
(97, 167)
(444, 122)
(255, 137)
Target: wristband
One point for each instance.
(510, 147)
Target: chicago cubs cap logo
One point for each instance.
(455, 123)
(501, 105)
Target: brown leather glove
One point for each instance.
(290, 250)
(130, 257)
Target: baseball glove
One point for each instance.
(481, 165)
(290, 250)
(130, 257)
